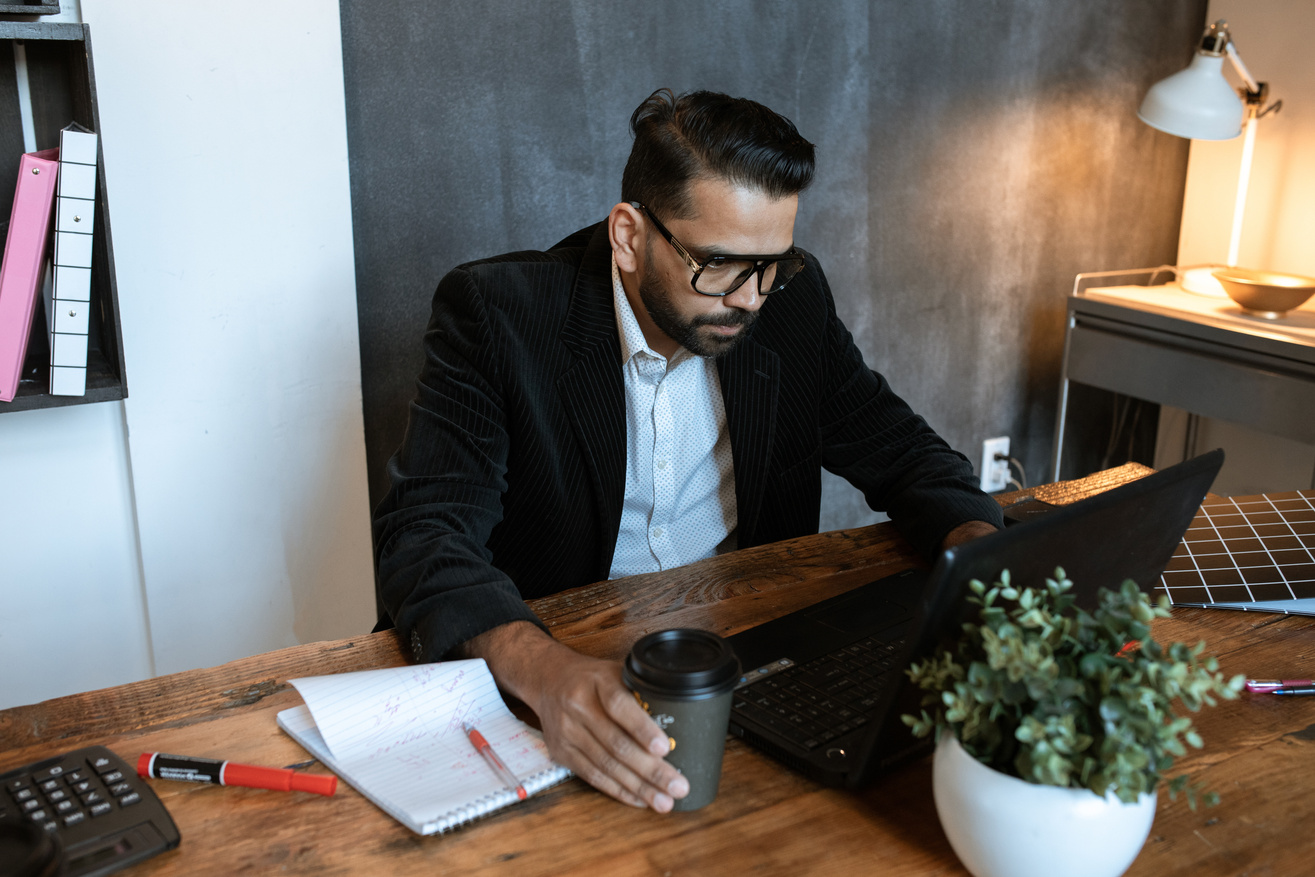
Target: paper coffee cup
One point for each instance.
(684, 679)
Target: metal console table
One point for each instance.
(1200, 353)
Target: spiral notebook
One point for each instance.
(397, 736)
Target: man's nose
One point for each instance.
(748, 296)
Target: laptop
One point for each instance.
(825, 685)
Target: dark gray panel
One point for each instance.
(11, 127)
(1012, 160)
(973, 156)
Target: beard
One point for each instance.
(686, 332)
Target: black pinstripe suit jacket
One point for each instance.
(510, 479)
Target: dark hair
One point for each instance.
(705, 134)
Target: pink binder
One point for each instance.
(24, 261)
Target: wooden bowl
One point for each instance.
(1265, 294)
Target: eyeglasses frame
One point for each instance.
(760, 261)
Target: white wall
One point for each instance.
(224, 139)
(72, 609)
(1278, 232)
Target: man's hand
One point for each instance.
(591, 721)
(966, 532)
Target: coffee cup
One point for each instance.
(684, 679)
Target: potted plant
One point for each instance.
(1055, 727)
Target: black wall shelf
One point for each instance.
(63, 88)
(32, 7)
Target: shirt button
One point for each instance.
(657, 532)
(662, 464)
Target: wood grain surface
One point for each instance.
(766, 819)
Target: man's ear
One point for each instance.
(625, 229)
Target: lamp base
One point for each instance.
(1202, 282)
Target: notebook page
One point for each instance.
(396, 733)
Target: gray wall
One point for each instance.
(973, 156)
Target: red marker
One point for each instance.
(483, 748)
(228, 773)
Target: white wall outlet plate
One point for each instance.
(994, 472)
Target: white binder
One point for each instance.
(68, 292)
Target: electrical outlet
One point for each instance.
(995, 464)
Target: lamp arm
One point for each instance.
(1242, 71)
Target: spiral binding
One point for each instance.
(495, 801)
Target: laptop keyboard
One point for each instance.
(813, 703)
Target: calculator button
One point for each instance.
(50, 785)
(92, 797)
(74, 818)
(83, 787)
(16, 785)
(31, 804)
(43, 775)
(66, 806)
(128, 800)
(120, 788)
(102, 808)
(23, 795)
(101, 764)
(75, 776)
(38, 815)
(112, 777)
(56, 795)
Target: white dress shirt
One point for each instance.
(680, 479)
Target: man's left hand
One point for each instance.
(966, 532)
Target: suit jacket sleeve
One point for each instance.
(431, 531)
(871, 437)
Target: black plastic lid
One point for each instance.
(683, 662)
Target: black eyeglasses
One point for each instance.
(723, 274)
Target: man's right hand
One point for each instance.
(591, 721)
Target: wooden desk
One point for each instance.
(1259, 753)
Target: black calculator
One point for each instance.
(104, 815)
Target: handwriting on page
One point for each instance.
(376, 712)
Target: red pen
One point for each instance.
(228, 773)
(483, 748)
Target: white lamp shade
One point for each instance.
(1196, 102)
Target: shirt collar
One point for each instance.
(627, 327)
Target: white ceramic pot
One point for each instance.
(1001, 826)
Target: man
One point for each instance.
(651, 391)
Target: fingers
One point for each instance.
(596, 765)
(624, 709)
(604, 735)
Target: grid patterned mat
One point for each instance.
(1248, 552)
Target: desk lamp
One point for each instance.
(1198, 103)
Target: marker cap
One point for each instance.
(319, 783)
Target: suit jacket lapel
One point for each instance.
(593, 390)
(750, 379)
